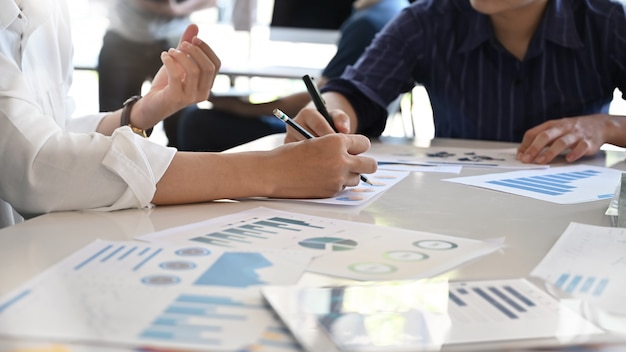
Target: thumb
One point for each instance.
(191, 31)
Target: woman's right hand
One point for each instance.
(317, 168)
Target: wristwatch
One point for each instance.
(125, 120)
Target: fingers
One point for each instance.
(536, 140)
(581, 149)
(357, 144)
(353, 145)
(196, 69)
(201, 69)
(573, 137)
(311, 120)
(206, 49)
(557, 147)
(191, 32)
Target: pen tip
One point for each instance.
(366, 180)
(278, 113)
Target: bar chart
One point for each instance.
(562, 185)
(184, 297)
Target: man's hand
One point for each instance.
(574, 136)
(314, 122)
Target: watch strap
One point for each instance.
(125, 119)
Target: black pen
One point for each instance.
(317, 99)
(288, 120)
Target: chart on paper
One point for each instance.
(398, 155)
(381, 181)
(198, 297)
(340, 248)
(562, 185)
(427, 314)
(589, 262)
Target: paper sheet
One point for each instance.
(427, 315)
(137, 294)
(467, 157)
(418, 167)
(562, 185)
(589, 262)
(381, 181)
(341, 248)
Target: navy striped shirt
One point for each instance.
(477, 89)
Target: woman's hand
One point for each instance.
(186, 77)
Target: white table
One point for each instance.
(419, 202)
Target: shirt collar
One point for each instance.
(474, 29)
(9, 13)
(558, 25)
(36, 12)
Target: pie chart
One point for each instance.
(329, 243)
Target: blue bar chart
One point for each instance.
(200, 319)
(552, 185)
(580, 284)
(120, 255)
(235, 270)
(562, 185)
(184, 297)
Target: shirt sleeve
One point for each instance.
(46, 168)
(355, 36)
(617, 21)
(383, 73)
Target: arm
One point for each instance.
(575, 136)
(584, 135)
(290, 104)
(47, 168)
(314, 168)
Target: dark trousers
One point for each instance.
(211, 130)
(123, 67)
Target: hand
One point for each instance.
(314, 122)
(575, 136)
(186, 77)
(317, 168)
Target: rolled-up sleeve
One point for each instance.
(73, 171)
(49, 161)
(45, 168)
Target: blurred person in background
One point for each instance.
(138, 31)
(232, 121)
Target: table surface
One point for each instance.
(419, 202)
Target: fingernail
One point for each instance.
(541, 159)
